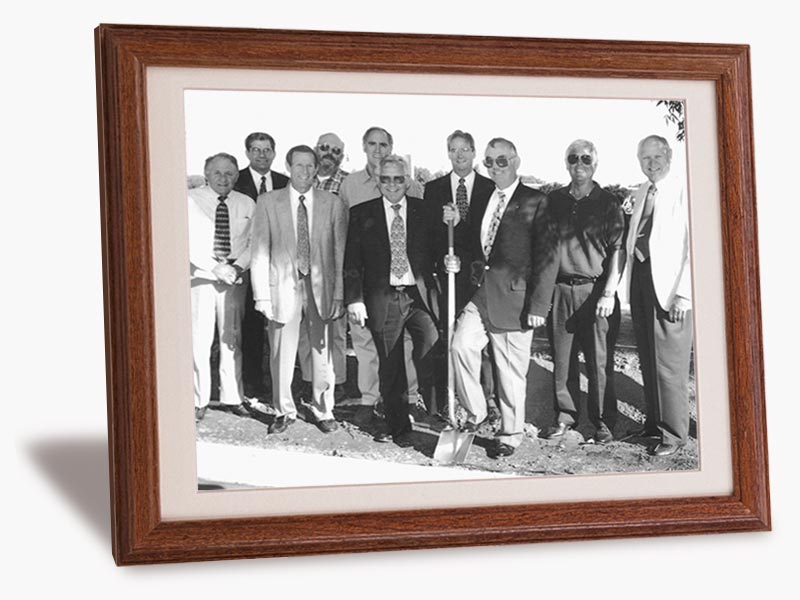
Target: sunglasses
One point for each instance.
(500, 161)
(386, 180)
(333, 149)
(584, 158)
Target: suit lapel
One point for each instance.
(286, 221)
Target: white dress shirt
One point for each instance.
(408, 278)
(494, 200)
(257, 179)
(469, 182)
(203, 203)
(294, 199)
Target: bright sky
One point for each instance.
(541, 128)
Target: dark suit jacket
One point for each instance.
(519, 276)
(246, 185)
(368, 257)
(439, 192)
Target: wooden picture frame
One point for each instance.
(140, 535)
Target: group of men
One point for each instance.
(324, 250)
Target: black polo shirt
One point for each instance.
(590, 230)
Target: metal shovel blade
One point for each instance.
(453, 446)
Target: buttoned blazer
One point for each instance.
(519, 275)
(368, 258)
(669, 239)
(274, 252)
(246, 185)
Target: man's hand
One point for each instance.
(265, 308)
(225, 273)
(450, 213)
(337, 309)
(535, 321)
(680, 306)
(357, 313)
(605, 306)
(452, 264)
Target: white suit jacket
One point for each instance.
(274, 250)
(670, 255)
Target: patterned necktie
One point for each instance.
(303, 244)
(494, 224)
(461, 199)
(642, 248)
(263, 187)
(397, 240)
(222, 231)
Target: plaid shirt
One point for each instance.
(332, 183)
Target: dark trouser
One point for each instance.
(664, 353)
(405, 312)
(255, 349)
(573, 326)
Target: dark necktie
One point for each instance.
(397, 238)
(303, 244)
(222, 231)
(461, 199)
(263, 187)
(642, 248)
(494, 225)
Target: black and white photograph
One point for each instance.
(426, 287)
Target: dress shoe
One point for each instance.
(559, 432)
(327, 425)
(364, 416)
(469, 427)
(664, 449)
(384, 437)
(280, 424)
(603, 434)
(237, 409)
(199, 412)
(502, 449)
(404, 439)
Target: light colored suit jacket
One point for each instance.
(274, 252)
(670, 255)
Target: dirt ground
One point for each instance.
(573, 455)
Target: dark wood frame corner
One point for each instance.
(123, 54)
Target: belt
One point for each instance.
(575, 280)
(404, 288)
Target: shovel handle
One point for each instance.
(451, 309)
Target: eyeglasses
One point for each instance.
(264, 151)
(500, 161)
(386, 180)
(584, 158)
(333, 149)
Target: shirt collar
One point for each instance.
(388, 205)
(509, 191)
(257, 176)
(468, 178)
(295, 195)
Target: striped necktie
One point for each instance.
(494, 225)
(303, 243)
(222, 231)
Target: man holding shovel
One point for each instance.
(511, 253)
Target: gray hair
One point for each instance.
(584, 144)
(500, 140)
(394, 159)
(654, 138)
(224, 155)
(372, 130)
